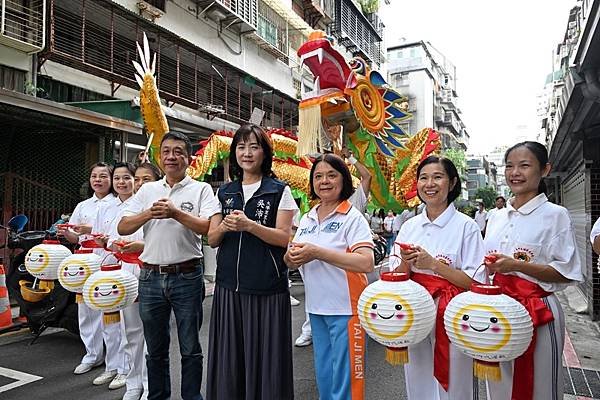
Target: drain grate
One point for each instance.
(582, 382)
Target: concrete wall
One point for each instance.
(203, 33)
(15, 59)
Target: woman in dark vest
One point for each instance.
(250, 343)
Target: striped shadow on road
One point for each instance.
(582, 382)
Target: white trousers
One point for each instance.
(94, 334)
(134, 347)
(548, 372)
(306, 328)
(421, 384)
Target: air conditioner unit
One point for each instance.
(23, 25)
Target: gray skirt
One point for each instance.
(250, 347)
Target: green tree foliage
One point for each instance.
(457, 156)
(488, 195)
(369, 6)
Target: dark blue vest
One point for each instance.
(245, 263)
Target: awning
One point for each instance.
(19, 106)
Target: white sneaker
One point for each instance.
(86, 367)
(104, 378)
(294, 301)
(133, 394)
(303, 341)
(118, 382)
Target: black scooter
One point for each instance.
(58, 309)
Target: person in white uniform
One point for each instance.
(334, 246)
(443, 249)
(359, 200)
(125, 178)
(92, 330)
(534, 243)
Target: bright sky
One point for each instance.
(502, 51)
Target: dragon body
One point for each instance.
(352, 101)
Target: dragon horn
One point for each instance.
(153, 66)
(139, 81)
(146, 51)
(141, 54)
(138, 68)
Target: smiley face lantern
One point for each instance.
(42, 261)
(396, 312)
(110, 290)
(74, 270)
(488, 326)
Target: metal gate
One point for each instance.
(575, 192)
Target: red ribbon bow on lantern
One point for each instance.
(443, 290)
(529, 294)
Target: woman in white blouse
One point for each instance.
(443, 249)
(534, 243)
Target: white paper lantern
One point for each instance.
(488, 326)
(42, 261)
(74, 270)
(396, 312)
(110, 290)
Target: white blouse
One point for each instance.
(539, 232)
(452, 238)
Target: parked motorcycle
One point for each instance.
(58, 308)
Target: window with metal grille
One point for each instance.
(99, 37)
(23, 21)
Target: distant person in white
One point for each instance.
(500, 204)
(359, 200)
(481, 218)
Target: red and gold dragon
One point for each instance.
(348, 95)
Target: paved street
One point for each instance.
(48, 365)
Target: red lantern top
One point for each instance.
(394, 276)
(485, 289)
(112, 267)
(83, 251)
(48, 241)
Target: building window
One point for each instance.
(160, 4)
(401, 79)
(298, 87)
(12, 79)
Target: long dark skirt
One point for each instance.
(250, 347)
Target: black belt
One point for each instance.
(182, 267)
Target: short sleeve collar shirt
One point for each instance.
(331, 290)
(452, 238)
(166, 240)
(538, 232)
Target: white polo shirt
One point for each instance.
(88, 210)
(539, 232)
(112, 230)
(595, 231)
(166, 240)
(331, 290)
(452, 238)
(481, 218)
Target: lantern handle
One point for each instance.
(487, 274)
(109, 253)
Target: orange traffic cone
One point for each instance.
(5, 314)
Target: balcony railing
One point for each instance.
(355, 32)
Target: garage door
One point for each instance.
(575, 190)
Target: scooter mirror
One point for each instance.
(17, 223)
